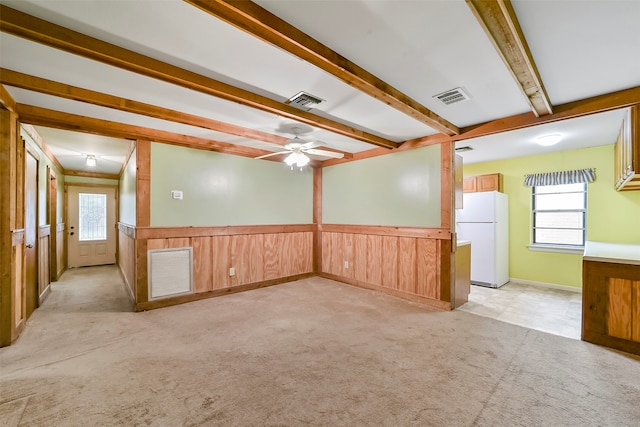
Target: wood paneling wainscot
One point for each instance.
(127, 256)
(60, 255)
(413, 263)
(44, 270)
(259, 256)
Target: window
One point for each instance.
(559, 215)
(93, 216)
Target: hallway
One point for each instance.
(89, 289)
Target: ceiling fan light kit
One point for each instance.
(298, 159)
(298, 150)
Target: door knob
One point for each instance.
(29, 246)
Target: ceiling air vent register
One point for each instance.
(452, 96)
(463, 149)
(304, 101)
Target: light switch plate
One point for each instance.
(176, 194)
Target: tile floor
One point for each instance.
(550, 310)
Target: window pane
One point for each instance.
(558, 236)
(559, 214)
(559, 201)
(559, 188)
(559, 219)
(93, 216)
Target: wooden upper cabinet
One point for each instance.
(480, 183)
(627, 152)
(469, 184)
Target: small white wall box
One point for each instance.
(176, 194)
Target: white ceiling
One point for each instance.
(583, 132)
(582, 49)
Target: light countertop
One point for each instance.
(612, 252)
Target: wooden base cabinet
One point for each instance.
(611, 305)
(463, 274)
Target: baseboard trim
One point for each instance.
(546, 285)
(167, 302)
(126, 284)
(43, 296)
(434, 303)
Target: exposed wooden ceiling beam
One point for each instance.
(91, 174)
(266, 26)
(50, 87)
(44, 117)
(499, 21)
(41, 31)
(62, 90)
(594, 105)
(572, 110)
(8, 103)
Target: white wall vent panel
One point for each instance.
(170, 272)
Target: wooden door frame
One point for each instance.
(33, 152)
(52, 209)
(12, 163)
(66, 211)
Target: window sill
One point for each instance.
(576, 250)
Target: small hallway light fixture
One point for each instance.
(548, 140)
(91, 160)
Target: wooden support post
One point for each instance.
(11, 261)
(317, 220)
(447, 212)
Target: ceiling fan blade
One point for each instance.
(272, 154)
(313, 144)
(324, 153)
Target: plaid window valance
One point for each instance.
(562, 177)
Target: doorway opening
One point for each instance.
(91, 236)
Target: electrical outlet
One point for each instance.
(346, 264)
(232, 271)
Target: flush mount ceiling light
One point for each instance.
(91, 160)
(547, 140)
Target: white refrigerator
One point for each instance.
(484, 221)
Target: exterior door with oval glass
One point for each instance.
(91, 236)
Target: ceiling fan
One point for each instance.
(299, 149)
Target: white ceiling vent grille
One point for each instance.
(304, 101)
(463, 149)
(452, 96)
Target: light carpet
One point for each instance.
(307, 353)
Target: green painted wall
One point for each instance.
(221, 189)
(400, 189)
(611, 216)
(127, 192)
